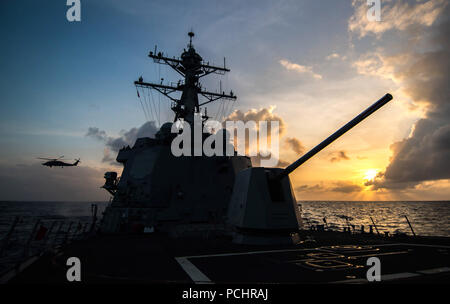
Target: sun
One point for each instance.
(370, 174)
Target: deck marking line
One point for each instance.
(355, 281)
(434, 270)
(16, 270)
(302, 249)
(424, 245)
(198, 277)
(386, 277)
(352, 257)
(396, 276)
(409, 244)
(250, 252)
(193, 272)
(402, 275)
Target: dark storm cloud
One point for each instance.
(38, 183)
(127, 138)
(425, 155)
(338, 156)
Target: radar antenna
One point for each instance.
(191, 67)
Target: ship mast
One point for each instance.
(192, 67)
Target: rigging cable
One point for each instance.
(153, 102)
(140, 101)
(150, 105)
(147, 101)
(222, 111)
(159, 74)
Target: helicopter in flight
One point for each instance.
(57, 162)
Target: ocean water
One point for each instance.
(60, 213)
(427, 218)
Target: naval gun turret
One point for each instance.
(263, 208)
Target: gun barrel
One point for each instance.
(385, 99)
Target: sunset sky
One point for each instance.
(66, 88)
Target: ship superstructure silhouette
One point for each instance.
(158, 191)
(207, 219)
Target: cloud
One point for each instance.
(96, 133)
(395, 15)
(38, 183)
(295, 144)
(338, 156)
(149, 129)
(107, 158)
(379, 182)
(307, 188)
(266, 114)
(283, 164)
(263, 114)
(422, 73)
(126, 138)
(425, 155)
(333, 56)
(346, 187)
(302, 69)
(337, 186)
(256, 161)
(384, 66)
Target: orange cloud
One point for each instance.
(299, 68)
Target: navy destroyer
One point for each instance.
(218, 219)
